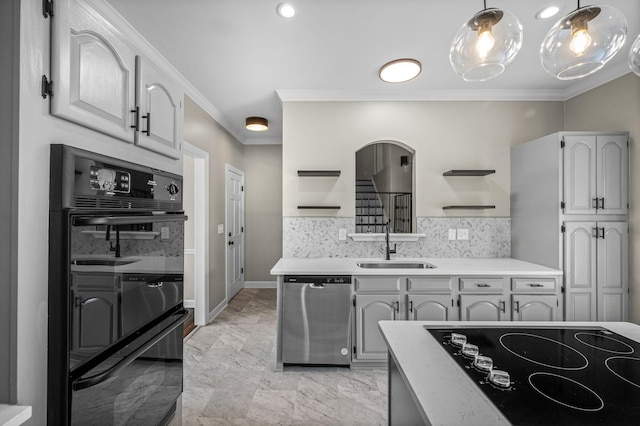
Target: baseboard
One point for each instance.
(189, 303)
(216, 311)
(260, 284)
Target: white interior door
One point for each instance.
(235, 230)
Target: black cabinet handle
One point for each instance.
(230, 242)
(411, 306)
(537, 285)
(148, 118)
(601, 203)
(594, 232)
(594, 203)
(503, 306)
(601, 233)
(483, 285)
(517, 306)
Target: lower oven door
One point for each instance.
(137, 385)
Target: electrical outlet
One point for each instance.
(452, 234)
(164, 233)
(220, 229)
(342, 234)
(463, 234)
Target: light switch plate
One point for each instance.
(164, 232)
(342, 234)
(221, 229)
(463, 234)
(452, 234)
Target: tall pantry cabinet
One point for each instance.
(569, 210)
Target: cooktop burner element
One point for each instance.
(567, 376)
(604, 343)
(543, 351)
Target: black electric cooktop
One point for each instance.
(568, 376)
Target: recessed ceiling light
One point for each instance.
(286, 10)
(257, 124)
(547, 12)
(400, 70)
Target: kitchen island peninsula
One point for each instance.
(471, 373)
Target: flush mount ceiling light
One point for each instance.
(286, 10)
(485, 44)
(400, 70)
(257, 124)
(547, 12)
(583, 41)
(634, 56)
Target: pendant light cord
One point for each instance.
(485, 4)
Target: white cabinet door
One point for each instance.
(483, 307)
(369, 310)
(432, 307)
(92, 71)
(580, 271)
(613, 272)
(579, 157)
(160, 114)
(538, 307)
(612, 174)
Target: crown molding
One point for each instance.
(601, 77)
(263, 141)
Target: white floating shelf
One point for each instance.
(124, 235)
(381, 237)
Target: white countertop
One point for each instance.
(444, 266)
(444, 393)
(14, 415)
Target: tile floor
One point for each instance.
(229, 377)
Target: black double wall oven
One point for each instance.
(116, 267)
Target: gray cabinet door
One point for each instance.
(538, 307)
(95, 319)
(369, 310)
(579, 157)
(580, 271)
(483, 307)
(612, 174)
(93, 71)
(613, 272)
(160, 103)
(432, 307)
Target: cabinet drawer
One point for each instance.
(429, 284)
(481, 284)
(378, 284)
(533, 284)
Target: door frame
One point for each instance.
(201, 231)
(229, 168)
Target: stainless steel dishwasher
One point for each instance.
(316, 318)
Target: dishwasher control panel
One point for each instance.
(318, 279)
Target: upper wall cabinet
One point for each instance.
(595, 174)
(159, 115)
(102, 83)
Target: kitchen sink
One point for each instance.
(396, 265)
(101, 262)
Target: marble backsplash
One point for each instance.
(318, 237)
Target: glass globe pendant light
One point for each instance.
(485, 44)
(583, 41)
(634, 56)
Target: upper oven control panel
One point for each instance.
(92, 181)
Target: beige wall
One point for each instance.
(444, 135)
(201, 130)
(616, 106)
(263, 238)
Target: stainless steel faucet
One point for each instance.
(389, 251)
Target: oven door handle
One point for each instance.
(127, 220)
(96, 379)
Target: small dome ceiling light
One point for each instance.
(400, 70)
(286, 10)
(583, 41)
(634, 56)
(485, 44)
(257, 124)
(547, 12)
